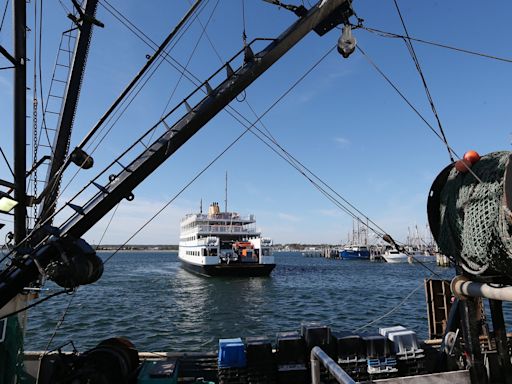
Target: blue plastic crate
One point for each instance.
(232, 353)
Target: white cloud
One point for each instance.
(342, 142)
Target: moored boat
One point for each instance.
(224, 244)
(355, 252)
(393, 255)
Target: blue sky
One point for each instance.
(343, 121)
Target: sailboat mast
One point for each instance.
(226, 194)
(19, 119)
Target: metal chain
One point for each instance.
(35, 139)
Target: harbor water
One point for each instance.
(148, 298)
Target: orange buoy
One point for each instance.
(462, 166)
(471, 156)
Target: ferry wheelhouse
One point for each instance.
(224, 244)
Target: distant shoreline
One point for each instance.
(103, 250)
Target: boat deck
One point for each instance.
(197, 366)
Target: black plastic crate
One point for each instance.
(296, 374)
(291, 349)
(349, 347)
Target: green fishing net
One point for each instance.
(474, 223)
(11, 355)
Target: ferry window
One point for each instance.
(204, 251)
(265, 252)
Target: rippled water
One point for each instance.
(148, 298)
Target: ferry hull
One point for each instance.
(234, 269)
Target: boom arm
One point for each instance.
(321, 18)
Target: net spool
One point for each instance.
(471, 220)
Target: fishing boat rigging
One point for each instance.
(59, 252)
(321, 18)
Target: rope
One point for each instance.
(427, 91)
(35, 304)
(435, 44)
(59, 323)
(244, 35)
(390, 311)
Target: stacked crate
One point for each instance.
(410, 358)
(291, 358)
(261, 365)
(381, 361)
(232, 362)
(351, 354)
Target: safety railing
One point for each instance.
(320, 357)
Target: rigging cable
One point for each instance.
(129, 94)
(44, 127)
(36, 303)
(414, 57)
(133, 93)
(161, 49)
(108, 225)
(182, 72)
(435, 44)
(6, 161)
(388, 80)
(66, 9)
(91, 182)
(59, 324)
(234, 111)
(292, 160)
(236, 140)
(3, 16)
(158, 55)
(221, 153)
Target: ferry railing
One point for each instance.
(225, 228)
(318, 356)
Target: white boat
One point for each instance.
(224, 244)
(393, 255)
(422, 257)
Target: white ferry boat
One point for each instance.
(224, 244)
